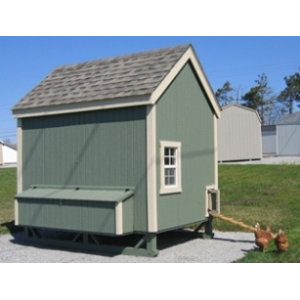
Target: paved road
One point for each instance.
(175, 247)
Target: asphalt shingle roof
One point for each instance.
(290, 119)
(131, 75)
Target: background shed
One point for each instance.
(288, 135)
(269, 142)
(8, 155)
(239, 134)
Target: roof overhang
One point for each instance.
(82, 107)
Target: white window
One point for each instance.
(170, 160)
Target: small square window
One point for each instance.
(170, 167)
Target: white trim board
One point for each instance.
(19, 169)
(82, 107)
(151, 169)
(216, 168)
(119, 218)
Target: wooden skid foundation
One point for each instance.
(208, 228)
(146, 245)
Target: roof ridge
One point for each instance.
(123, 56)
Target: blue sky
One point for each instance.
(25, 61)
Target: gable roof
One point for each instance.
(242, 107)
(137, 79)
(291, 119)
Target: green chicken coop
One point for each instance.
(118, 147)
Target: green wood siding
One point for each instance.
(100, 148)
(128, 218)
(86, 216)
(184, 115)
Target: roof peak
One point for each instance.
(124, 56)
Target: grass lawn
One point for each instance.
(7, 192)
(268, 194)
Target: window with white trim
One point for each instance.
(170, 160)
(170, 166)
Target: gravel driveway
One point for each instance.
(175, 247)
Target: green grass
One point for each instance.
(268, 194)
(7, 192)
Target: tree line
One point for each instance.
(260, 97)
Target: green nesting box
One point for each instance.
(91, 210)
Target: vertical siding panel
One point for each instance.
(184, 115)
(288, 139)
(101, 148)
(32, 157)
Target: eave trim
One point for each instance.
(82, 107)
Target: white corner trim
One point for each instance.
(16, 212)
(188, 55)
(19, 169)
(178, 188)
(119, 218)
(216, 170)
(19, 157)
(151, 169)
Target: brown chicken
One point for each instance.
(262, 237)
(281, 241)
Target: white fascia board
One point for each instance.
(82, 107)
(189, 55)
